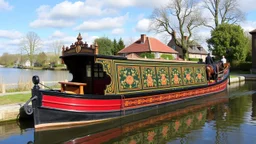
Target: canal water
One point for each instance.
(228, 117)
(14, 75)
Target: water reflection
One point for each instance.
(227, 117)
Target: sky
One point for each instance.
(60, 20)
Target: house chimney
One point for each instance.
(142, 38)
(253, 33)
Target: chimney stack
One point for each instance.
(253, 33)
(142, 38)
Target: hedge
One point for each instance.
(167, 56)
(244, 66)
(194, 59)
(148, 55)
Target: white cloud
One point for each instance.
(248, 25)
(117, 31)
(5, 5)
(247, 5)
(65, 13)
(66, 40)
(10, 34)
(58, 34)
(102, 24)
(135, 3)
(40, 23)
(142, 25)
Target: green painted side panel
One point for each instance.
(130, 76)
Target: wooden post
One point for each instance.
(42, 84)
(3, 88)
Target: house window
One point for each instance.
(174, 47)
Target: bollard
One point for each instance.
(3, 88)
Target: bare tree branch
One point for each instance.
(30, 44)
(223, 11)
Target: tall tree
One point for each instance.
(120, 45)
(185, 12)
(30, 44)
(57, 47)
(105, 45)
(114, 50)
(228, 40)
(223, 11)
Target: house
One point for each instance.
(147, 45)
(194, 49)
(26, 63)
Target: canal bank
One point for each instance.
(11, 111)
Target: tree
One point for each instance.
(228, 40)
(105, 45)
(30, 44)
(120, 45)
(248, 46)
(185, 12)
(9, 59)
(114, 50)
(41, 59)
(57, 47)
(223, 11)
(117, 46)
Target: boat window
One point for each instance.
(98, 71)
(88, 71)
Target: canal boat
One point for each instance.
(163, 124)
(110, 87)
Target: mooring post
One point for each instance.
(3, 88)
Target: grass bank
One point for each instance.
(16, 98)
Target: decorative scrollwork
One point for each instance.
(107, 67)
(28, 109)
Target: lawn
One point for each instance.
(17, 98)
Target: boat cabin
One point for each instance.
(88, 76)
(114, 75)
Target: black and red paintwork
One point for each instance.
(54, 109)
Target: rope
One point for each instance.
(45, 86)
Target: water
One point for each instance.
(225, 118)
(13, 75)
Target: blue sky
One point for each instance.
(60, 20)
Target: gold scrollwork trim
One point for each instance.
(108, 68)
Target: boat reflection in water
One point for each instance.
(158, 126)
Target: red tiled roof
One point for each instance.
(150, 45)
(157, 46)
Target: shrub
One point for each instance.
(194, 59)
(167, 56)
(148, 55)
(244, 66)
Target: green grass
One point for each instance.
(10, 99)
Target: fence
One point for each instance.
(26, 86)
